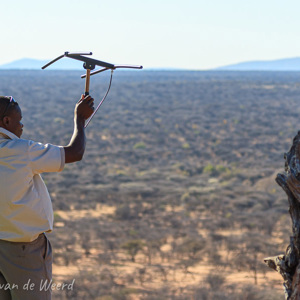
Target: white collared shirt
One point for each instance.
(25, 205)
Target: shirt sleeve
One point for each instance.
(46, 158)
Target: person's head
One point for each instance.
(10, 115)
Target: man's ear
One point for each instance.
(6, 121)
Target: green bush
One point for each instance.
(209, 169)
(139, 145)
(133, 247)
(186, 146)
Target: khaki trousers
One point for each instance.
(24, 269)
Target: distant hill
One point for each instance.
(35, 64)
(287, 64)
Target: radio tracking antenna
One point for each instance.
(89, 65)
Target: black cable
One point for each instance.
(89, 120)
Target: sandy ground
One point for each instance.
(155, 277)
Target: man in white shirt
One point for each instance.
(25, 206)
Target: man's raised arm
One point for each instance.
(83, 110)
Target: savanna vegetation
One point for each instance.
(175, 197)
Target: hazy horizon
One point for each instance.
(283, 64)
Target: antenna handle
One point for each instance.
(87, 82)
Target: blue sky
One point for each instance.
(191, 34)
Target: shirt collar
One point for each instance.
(7, 134)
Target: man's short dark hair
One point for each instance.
(6, 105)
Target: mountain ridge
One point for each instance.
(36, 64)
(284, 64)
